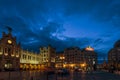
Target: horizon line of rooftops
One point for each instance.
(62, 51)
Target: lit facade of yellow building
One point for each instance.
(30, 60)
(12, 57)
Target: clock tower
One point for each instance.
(9, 52)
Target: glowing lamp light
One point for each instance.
(89, 49)
(21, 66)
(1, 53)
(83, 65)
(62, 57)
(12, 55)
(64, 65)
(17, 56)
(6, 54)
(72, 65)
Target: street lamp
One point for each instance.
(83, 65)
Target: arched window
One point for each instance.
(17, 53)
(1, 51)
(6, 51)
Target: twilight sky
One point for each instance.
(63, 23)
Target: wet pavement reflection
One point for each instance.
(40, 75)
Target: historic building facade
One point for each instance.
(9, 52)
(48, 56)
(114, 56)
(89, 58)
(12, 57)
(72, 57)
(30, 60)
(85, 59)
(60, 60)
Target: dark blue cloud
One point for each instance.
(63, 23)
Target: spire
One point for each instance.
(9, 29)
(3, 34)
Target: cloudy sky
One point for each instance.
(63, 23)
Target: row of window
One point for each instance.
(44, 52)
(45, 59)
(45, 55)
(6, 50)
(29, 57)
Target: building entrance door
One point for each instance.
(8, 65)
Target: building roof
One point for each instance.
(89, 48)
(71, 48)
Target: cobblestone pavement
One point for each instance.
(36, 75)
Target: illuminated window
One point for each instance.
(1, 51)
(6, 65)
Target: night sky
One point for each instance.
(63, 23)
